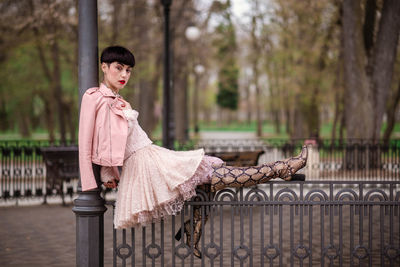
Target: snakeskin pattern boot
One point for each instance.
(230, 176)
(198, 223)
(197, 231)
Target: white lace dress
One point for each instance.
(156, 181)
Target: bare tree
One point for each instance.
(367, 89)
(255, 57)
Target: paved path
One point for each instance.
(42, 235)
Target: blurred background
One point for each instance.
(252, 80)
(280, 69)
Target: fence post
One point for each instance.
(89, 206)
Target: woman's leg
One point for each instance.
(197, 225)
(231, 176)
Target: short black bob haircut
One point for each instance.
(117, 54)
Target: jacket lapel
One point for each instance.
(117, 104)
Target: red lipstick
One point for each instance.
(122, 82)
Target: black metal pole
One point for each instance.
(89, 207)
(168, 118)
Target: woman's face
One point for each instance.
(116, 75)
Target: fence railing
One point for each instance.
(23, 172)
(322, 223)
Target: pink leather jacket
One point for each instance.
(103, 131)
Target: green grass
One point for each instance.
(268, 130)
(17, 136)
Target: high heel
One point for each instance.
(197, 231)
(197, 252)
(178, 235)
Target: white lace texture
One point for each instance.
(156, 181)
(137, 138)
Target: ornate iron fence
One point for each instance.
(354, 159)
(23, 173)
(335, 223)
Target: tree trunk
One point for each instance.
(275, 99)
(181, 16)
(46, 96)
(369, 26)
(248, 104)
(49, 116)
(391, 113)
(115, 19)
(255, 58)
(299, 129)
(337, 112)
(358, 97)
(4, 123)
(147, 81)
(384, 58)
(57, 90)
(180, 101)
(23, 122)
(68, 107)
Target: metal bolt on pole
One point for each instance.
(89, 207)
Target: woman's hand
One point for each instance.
(109, 176)
(113, 183)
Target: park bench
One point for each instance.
(61, 166)
(239, 158)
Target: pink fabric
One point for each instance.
(156, 181)
(108, 173)
(103, 132)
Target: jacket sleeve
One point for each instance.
(87, 121)
(109, 173)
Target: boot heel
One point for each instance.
(298, 177)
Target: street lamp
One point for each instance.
(192, 33)
(199, 69)
(89, 207)
(168, 115)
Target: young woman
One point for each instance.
(154, 181)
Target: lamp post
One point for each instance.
(198, 70)
(168, 115)
(89, 207)
(192, 33)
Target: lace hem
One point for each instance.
(186, 191)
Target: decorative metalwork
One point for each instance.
(23, 170)
(271, 252)
(335, 223)
(179, 251)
